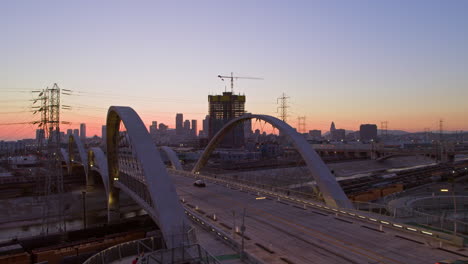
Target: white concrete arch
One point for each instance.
(97, 161)
(173, 158)
(332, 192)
(75, 141)
(165, 209)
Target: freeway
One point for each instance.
(281, 232)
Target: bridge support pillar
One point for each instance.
(113, 207)
(90, 181)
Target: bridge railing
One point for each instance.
(369, 212)
(413, 217)
(127, 249)
(185, 254)
(151, 251)
(222, 235)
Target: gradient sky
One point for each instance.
(351, 62)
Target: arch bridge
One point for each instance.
(134, 165)
(332, 192)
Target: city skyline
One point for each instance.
(351, 63)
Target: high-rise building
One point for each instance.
(153, 128)
(179, 124)
(223, 108)
(76, 132)
(368, 132)
(339, 134)
(193, 131)
(104, 134)
(40, 137)
(206, 125)
(83, 131)
(332, 127)
(163, 127)
(69, 132)
(186, 127)
(332, 131)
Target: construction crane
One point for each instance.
(232, 77)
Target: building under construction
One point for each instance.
(223, 108)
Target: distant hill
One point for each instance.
(379, 131)
(394, 132)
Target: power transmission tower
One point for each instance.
(426, 134)
(53, 183)
(301, 127)
(384, 129)
(283, 114)
(441, 129)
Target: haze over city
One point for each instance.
(234, 132)
(348, 62)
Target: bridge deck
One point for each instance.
(302, 236)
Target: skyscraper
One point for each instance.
(69, 132)
(368, 132)
(339, 134)
(223, 108)
(179, 124)
(76, 132)
(153, 128)
(40, 137)
(162, 127)
(83, 131)
(206, 125)
(194, 128)
(332, 131)
(186, 127)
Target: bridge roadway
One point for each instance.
(302, 236)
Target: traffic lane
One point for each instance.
(293, 246)
(402, 249)
(214, 203)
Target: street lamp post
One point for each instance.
(454, 209)
(242, 232)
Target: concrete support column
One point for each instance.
(113, 206)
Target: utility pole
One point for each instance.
(441, 144)
(242, 232)
(234, 224)
(283, 114)
(83, 195)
